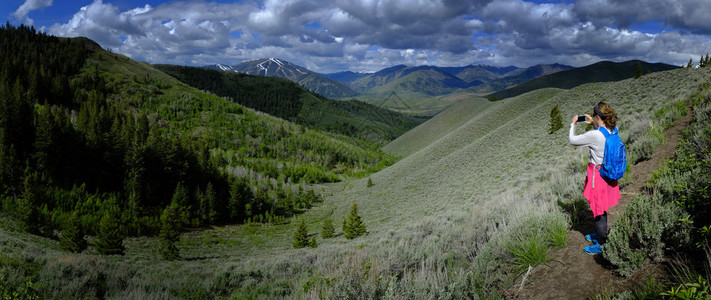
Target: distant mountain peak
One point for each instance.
(276, 67)
(224, 67)
(220, 67)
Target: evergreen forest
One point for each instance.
(87, 136)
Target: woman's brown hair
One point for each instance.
(607, 114)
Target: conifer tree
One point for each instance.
(26, 209)
(207, 202)
(702, 62)
(638, 73)
(556, 121)
(353, 226)
(180, 196)
(369, 183)
(301, 236)
(109, 239)
(171, 225)
(327, 230)
(9, 169)
(690, 64)
(73, 235)
(312, 243)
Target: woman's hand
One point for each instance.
(588, 119)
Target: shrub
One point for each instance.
(26, 290)
(644, 146)
(641, 232)
(691, 290)
(531, 239)
(684, 180)
(577, 209)
(531, 251)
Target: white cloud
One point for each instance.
(22, 12)
(335, 36)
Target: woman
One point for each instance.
(600, 194)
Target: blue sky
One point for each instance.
(368, 35)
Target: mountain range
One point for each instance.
(422, 82)
(274, 67)
(603, 71)
(410, 81)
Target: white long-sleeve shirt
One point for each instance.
(594, 139)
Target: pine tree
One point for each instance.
(327, 229)
(301, 236)
(180, 195)
(73, 235)
(702, 62)
(180, 198)
(170, 232)
(109, 239)
(207, 202)
(312, 243)
(690, 64)
(353, 225)
(370, 182)
(638, 73)
(26, 208)
(9, 169)
(556, 121)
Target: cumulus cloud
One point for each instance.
(22, 13)
(688, 15)
(368, 35)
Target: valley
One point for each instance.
(446, 199)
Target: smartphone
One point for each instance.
(581, 118)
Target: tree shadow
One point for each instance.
(578, 210)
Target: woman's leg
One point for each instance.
(601, 228)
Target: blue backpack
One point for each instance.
(614, 161)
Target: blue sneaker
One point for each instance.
(594, 249)
(591, 238)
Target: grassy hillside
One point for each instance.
(285, 99)
(428, 90)
(518, 77)
(415, 105)
(420, 81)
(439, 126)
(598, 72)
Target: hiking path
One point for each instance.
(570, 273)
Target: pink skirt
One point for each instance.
(600, 194)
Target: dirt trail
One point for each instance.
(571, 273)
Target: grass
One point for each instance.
(457, 115)
(441, 221)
